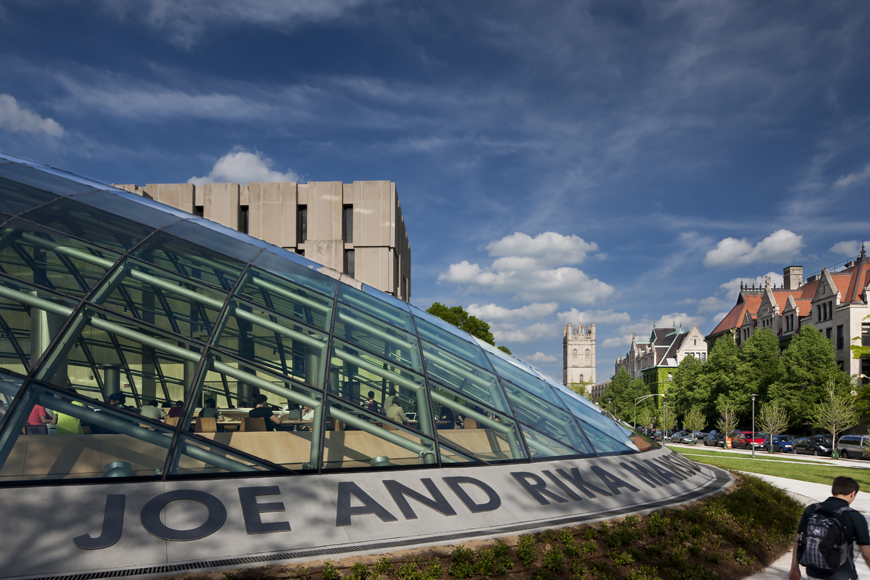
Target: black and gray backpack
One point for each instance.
(823, 544)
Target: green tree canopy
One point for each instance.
(758, 367)
(720, 370)
(808, 366)
(458, 317)
(623, 391)
(690, 389)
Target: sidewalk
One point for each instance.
(809, 493)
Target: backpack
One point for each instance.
(823, 544)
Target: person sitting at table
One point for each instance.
(176, 410)
(396, 413)
(370, 403)
(445, 420)
(40, 417)
(152, 411)
(210, 410)
(262, 410)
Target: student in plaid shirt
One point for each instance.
(843, 493)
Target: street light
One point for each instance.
(753, 395)
(608, 406)
(665, 422)
(637, 400)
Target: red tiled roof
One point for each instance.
(734, 318)
(808, 291)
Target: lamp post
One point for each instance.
(637, 400)
(753, 395)
(665, 435)
(609, 410)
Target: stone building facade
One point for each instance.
(354, 228)
(835, 302)
(656, 359)
(578, 354)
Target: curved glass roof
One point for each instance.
(137, 340)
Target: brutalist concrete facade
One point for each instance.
(355, 228)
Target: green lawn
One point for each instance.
(726, 454)
(803, 471)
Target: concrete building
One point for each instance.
(355, 228)
(578, 354)
(834, 302)
(657, 358)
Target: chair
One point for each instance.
(171, 421)
(470, 424)
(206, 425)
(253, 424)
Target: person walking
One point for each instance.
(821, 525)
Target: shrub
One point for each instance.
(549, 536)
(526, 550)
(589, 547)
(658, 524)
(578, 570)
(329, 572)
(554, 560)
(382, 567)
(743, 558)
(716, 557)
(493, 561)
(622, 558)
(643, 573)
(590, 533)
(461, 563)
(359, 571)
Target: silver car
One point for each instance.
(854, 446)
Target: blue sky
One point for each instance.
(602, 161)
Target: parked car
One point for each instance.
(714, 440)
(678, 436)
(781, 443)
(753, 439)
(815, 445)
(738, 440)
(854, 446)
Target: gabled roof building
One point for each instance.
(656, 358)
(833, 302)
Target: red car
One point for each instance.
(753, 439)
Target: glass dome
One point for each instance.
(136, 341)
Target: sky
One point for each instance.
(622, 163)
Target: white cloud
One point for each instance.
(848, 248)
(575, 316)
(780, 246)
(17, 119)
(548, 248)
(624, 340)
(530, 275)
(733, 285)
(495, 313)
(527, 334)
(540, 357)
(853, 178)
(712, 304)
(243, 167)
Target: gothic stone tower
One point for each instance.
(578, 354)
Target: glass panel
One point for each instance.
(471, 380)
(30, 318)
(384, 297)
(543, 446)
(62, 174)
(211, 235)
(547, 419)
(43, 180)
(51, 259)
(195, 457)
(258, 413)
(474, 430)
(9, 387)
(359, 438)
(90, 224)
(281, 344)
(164, 299)
(522, 378)
(176, 255)
(133, 207)
(375, 307)
(89, 440)
(290, 295)
(124, 363)
(369, 381)
(449, 456)
(376, 336)
(17, 197)
(450, 340)
(606, 436)
(296, 268)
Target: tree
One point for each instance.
(772, 419)
(758, 367)
(623, 392)
(835, 414)
(458, 317)
(727, 418)
(505, 349)
(808, 366)
(667, 419)
(720, 370)
(690, 389)
(646, 417)
(579, 388)
(695, 420)
(860, 351)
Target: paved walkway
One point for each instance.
(810, 493)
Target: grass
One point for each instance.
(803, 471)
(758, 454)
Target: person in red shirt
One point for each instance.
(176, 410)
(39, 416)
